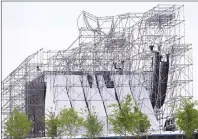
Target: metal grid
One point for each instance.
(114, 51)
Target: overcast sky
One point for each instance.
(30, 26)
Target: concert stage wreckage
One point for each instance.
(142, 54)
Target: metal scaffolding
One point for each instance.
(143, 54)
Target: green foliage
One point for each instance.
(187, 118)
(70, 122)
(142, 124)
(18, 125)
(52, 124)
(122, 119)
(127, 119)
(92, 125)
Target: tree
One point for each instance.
(187, 118)
(126, 118)
(121, 119)
(92, 125)
(142, 124)
(52, 124)
(70, 122)
(18, 125)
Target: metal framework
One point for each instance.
(142, 54)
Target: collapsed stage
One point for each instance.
(141, 54)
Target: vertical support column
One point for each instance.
(85, 97)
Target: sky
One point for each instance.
(30, 26)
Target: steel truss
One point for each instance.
(143, 54)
